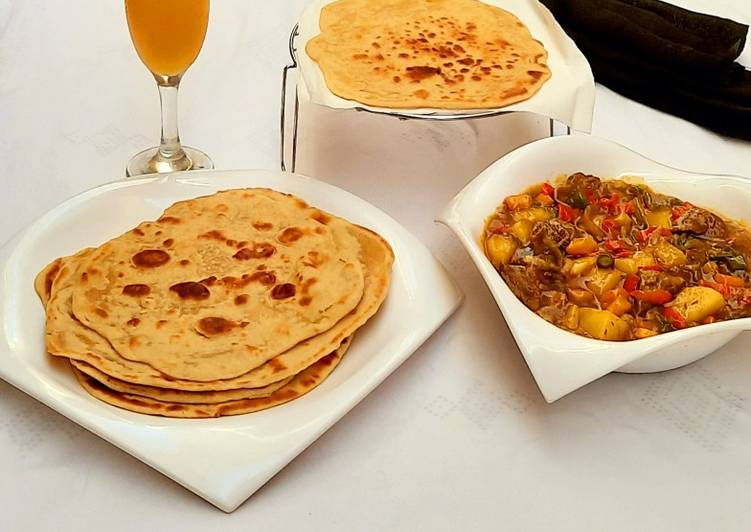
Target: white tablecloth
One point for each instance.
(459, 437)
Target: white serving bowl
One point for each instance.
(561, 361)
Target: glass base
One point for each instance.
(150, 161)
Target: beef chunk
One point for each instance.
(700, 222)
(528, 282)
(555, 231)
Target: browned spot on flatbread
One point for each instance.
(276, 366)
(263, 277)
(258, 251)
(138, 232)
(263, 226)
(161, 323)
(305, 301)
(208, 281)
(150, 258)
(283, 291)
(190, 290)
(315, 258)
(213, 235)
(422, 93)
(168, 242)
(169, 220)
(101, 312)
(184, 262)
(320, 217)
(421, 72)
(133, 322)
(136, 290)
(515, 91)
(307, 283)
(241, 299)
(289, 235)
(233, 282)
(213, 325)
(327, 360)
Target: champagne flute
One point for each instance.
(168, 35)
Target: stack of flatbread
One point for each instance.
(443, 54)
(226, 304)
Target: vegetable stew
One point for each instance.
(614, 260)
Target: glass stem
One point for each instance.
(169, 147)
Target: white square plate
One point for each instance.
(223, 460)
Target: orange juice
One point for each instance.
(167, 34)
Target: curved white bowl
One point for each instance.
(561, 361)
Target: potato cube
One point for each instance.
(522, 229)
(535, 214)
(582, 246)
(659, 217)
(619, 306)
(583, 266)
(500, 249)
(697, 302)
(668, 255)
(603, 324)
(603, 281)
(627, 266)
(571, 318)
(518, 202)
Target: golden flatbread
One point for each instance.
(298, 386)
(67, 337)
(220, 284)
(227, 304)
(443, 54)
(177, 396)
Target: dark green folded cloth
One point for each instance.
(667, 57)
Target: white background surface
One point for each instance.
(459, 438)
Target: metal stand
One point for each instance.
(401, 116)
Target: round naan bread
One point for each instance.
(221, 284)
(67, 337)
(443, 54)
(177, 396)
(301, 384)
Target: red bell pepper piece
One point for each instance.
(610, 203)
(590, 195)
(720, 287)
(609, 225)
(653, 268)
(548, 189)
(566, 213)
(729, 280)
(675, 319)
(631, 283)
(655, 297)
(615, 246)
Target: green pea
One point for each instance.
(605, 261)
